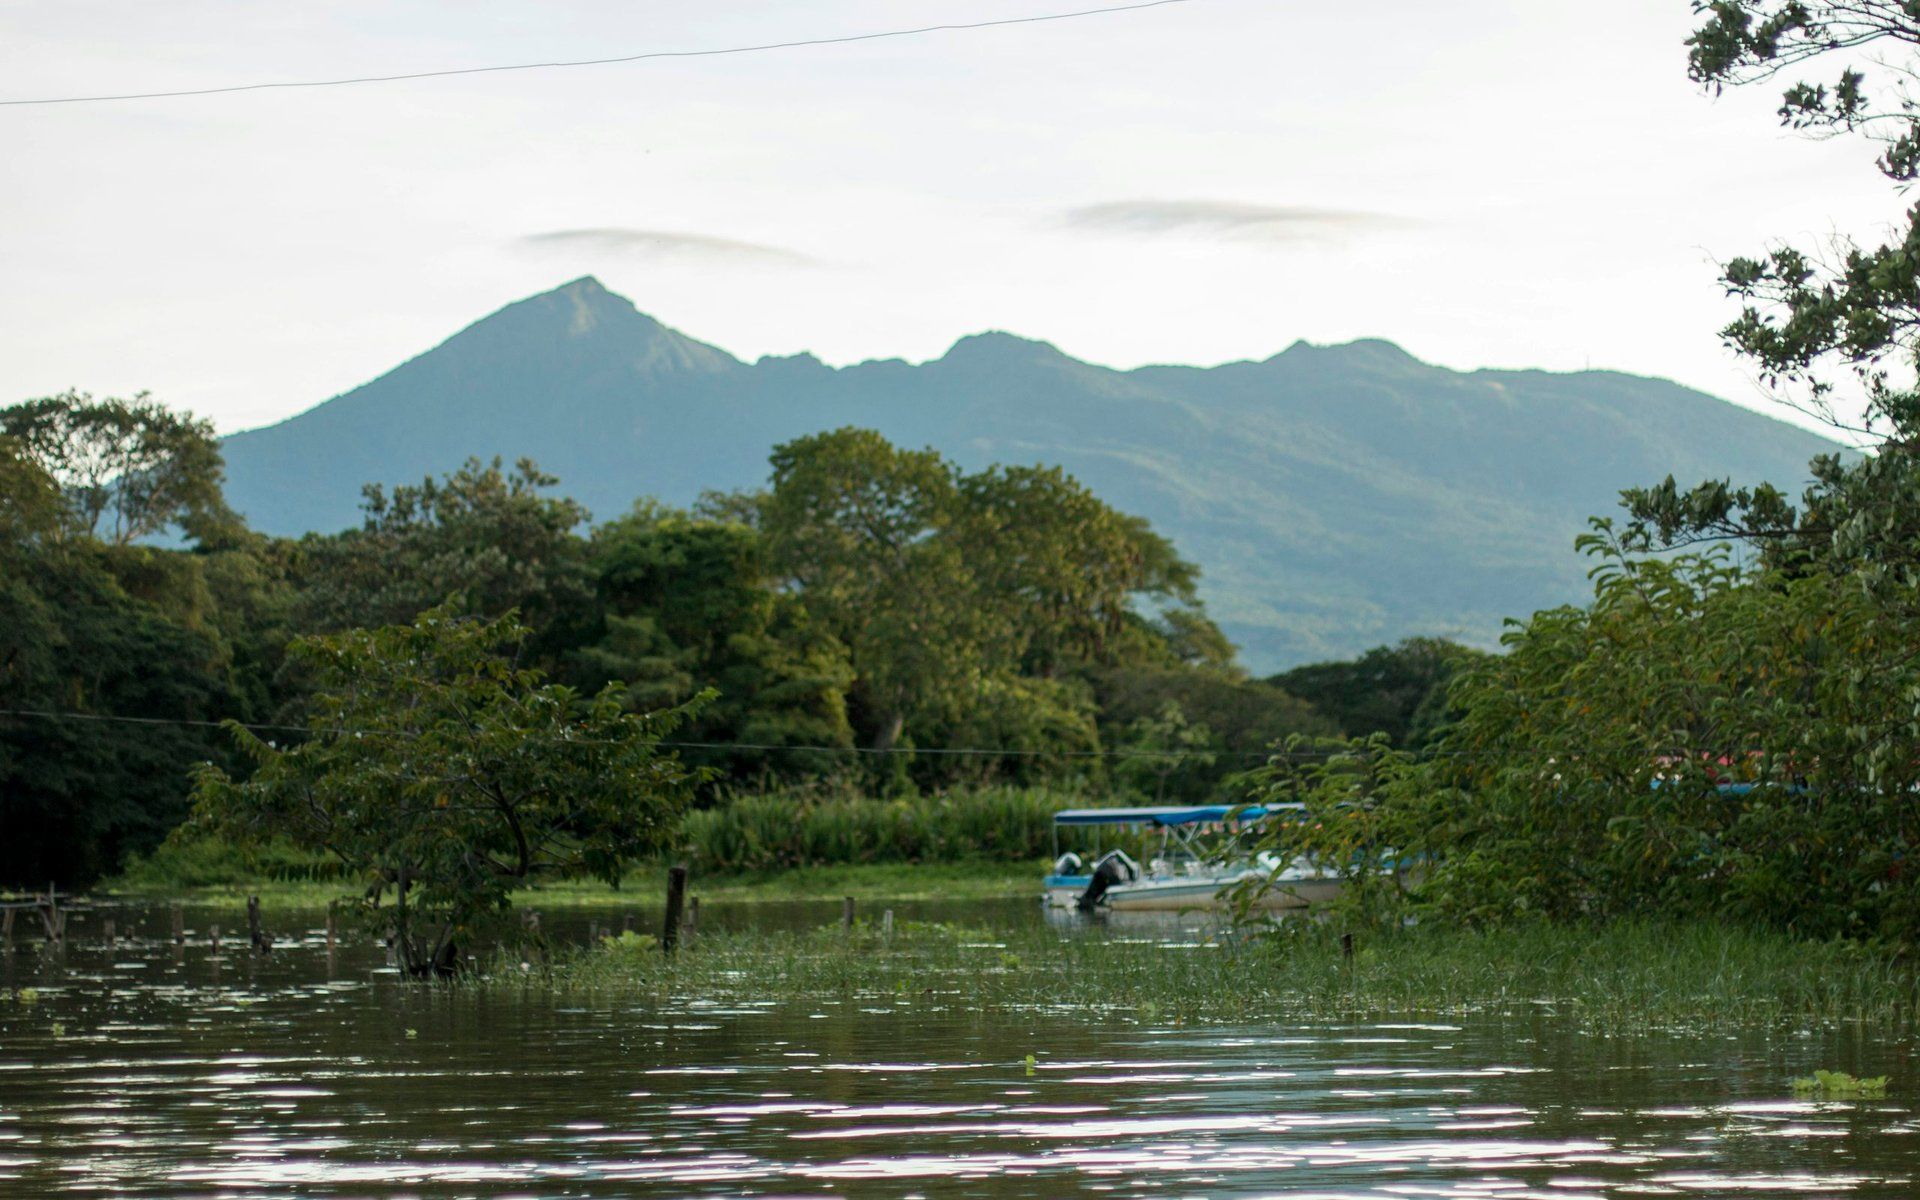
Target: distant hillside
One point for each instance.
(1336, 497)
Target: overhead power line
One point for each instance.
(753, 747)
(597, 62)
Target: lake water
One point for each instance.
(145, 1070)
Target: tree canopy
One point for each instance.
(125, 470)
(444, 777)
(1399, 691)
(946, 587)
(872, 598)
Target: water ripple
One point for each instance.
(152, 1071)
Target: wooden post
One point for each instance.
(107, 928)
(255, 935)
(626, 923)
(846, 915)
(333, 924)
(1346, 946)
(535, 946)
(179, 925)
(593, 933)
(886, 924)
(6, 928)
(213, 938)
(676, 896)
(54, 922)
(693, 913)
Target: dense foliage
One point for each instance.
(99, 627)
(1699, 740)
(123, 469)
(445, 777)
(1730, 731)
(777, 831)
(1400, 690)
(870, 609)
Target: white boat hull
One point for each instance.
(1176, 895)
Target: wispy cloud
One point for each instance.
(665, 244)
(1226, 219)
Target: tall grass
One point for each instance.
(181, 863)
(777, 831)
(747, 834)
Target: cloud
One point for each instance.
(664, 244)
(1226, 219)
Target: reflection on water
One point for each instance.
(147, 1069)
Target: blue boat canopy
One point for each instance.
(1188, 815)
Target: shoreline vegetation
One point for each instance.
(967, 843)
(1620, 976)
(647, 887)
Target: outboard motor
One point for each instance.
(1113, 867)
(1068, 864)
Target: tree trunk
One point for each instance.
(890, 731)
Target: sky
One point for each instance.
(1505, 183)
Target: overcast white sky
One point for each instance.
(1487, 182)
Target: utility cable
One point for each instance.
(757, 747)
(597, 62)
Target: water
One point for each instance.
(149, 1071)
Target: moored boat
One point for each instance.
(1194, 867)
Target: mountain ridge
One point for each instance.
(1335, 496)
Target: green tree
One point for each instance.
(691, 604)
(446, 777)
(1399, 690)
(485, 540)
(856, 529)
(1356, 808)
(126, 469)
(947, 588)
(81, 789)
(1828, 328)
(1190, 638)
(1062, 570)
(1164, 746)
(29, 498)
(1047, 727)
(94, 631)
(1700, 739)
(1856, 307)
(1247, 718)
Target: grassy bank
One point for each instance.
(877, 881)
(970, 843)
(1619, 976)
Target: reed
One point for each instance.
(779, 831)
(187, 863)
(750, 834)
(1613, 977)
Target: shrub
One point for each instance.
(779, 830)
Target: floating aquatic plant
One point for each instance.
(1614, 976)
(1838, 1085)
